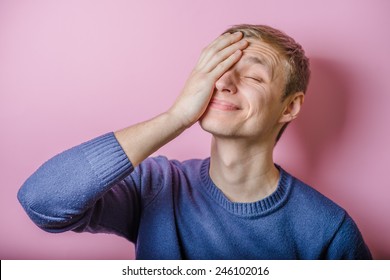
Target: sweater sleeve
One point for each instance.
(82, 189)
(348, 243)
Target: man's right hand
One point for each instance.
(141, 140)
(214, 61)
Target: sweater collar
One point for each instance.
(262, 207)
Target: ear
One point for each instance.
(292, 107)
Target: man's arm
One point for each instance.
(78, 188)
(141, 140)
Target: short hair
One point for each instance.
(297, 66)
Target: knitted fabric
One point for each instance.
(173, 210)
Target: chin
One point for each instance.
(217, 126)
(224, 126)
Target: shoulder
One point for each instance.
(348, 242)
(320, 221)
(311, 214)
(159, 172)
(308, 201)
(162, 165)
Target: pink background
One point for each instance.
(72, 70)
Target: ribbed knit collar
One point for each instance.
(262, 207)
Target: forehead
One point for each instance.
(263, 55)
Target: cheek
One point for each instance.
(256, 113)
(256, 103)
(263, 112)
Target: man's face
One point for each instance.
(247, 98)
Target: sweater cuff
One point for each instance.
(107, 159)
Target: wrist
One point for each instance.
(178, 119)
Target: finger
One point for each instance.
(223, 55)
(218, 44)
(225, 65)
(224, 40)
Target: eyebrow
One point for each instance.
(257, 60)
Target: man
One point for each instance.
(246, 87)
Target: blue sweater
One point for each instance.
(173, 210)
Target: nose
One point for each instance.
(226, 84)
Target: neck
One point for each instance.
(244, 172)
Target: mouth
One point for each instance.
(223, 105)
